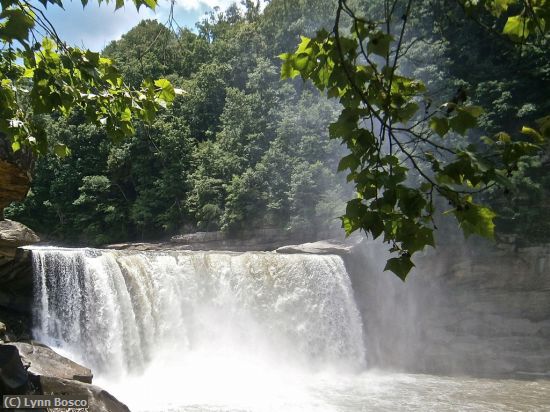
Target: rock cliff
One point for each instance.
(476, 309)
(14, 183)
(31, 368)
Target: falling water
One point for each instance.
(220, 331)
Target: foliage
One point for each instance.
(402, 152)
(226, 155)
(241, 149)
(47, 76)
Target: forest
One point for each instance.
(243, 149)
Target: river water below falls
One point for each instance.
(216, 331)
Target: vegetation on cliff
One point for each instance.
(241, 148)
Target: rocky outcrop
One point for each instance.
(43, 361)
(473, 309)
(99, 400)
(14, 378)
(14, 234)
(14, 261)
(14, 183)
(15, 269)
(257, 240)
(37, 369)
(16, 272)
(324, 247)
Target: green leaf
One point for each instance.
(440, 125)
(372, 222)
(401, 266)
(475, 111)
(348, 225)
(61, 150)
(17, 25)
(287, 68)
(379, 43)
(411, 201)
(407, 112)
(476, 219)
(516, 27)
(167, 92)
(126, 115)
(348, 162)
(497, 7)
(415, 238)
(463, 121)
(536, 136)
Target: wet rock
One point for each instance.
(43, 361)
(15, 267)
(99, 399)
(16, 271)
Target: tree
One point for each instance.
(39, 77)
(403, 153)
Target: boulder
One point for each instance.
(14, 234)
(99, 400)
(13, 375)
(43, 361)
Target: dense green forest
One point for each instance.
(242, 149)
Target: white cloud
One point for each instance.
(199, 4)
(96, 26)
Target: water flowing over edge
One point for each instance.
(118, 309)
(215, 331)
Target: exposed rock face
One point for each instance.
(37, 369)
(261, 239)
(14, 183)
(13, 375)
(257, 240)
(481, 311)
(43, 361)
(99, 400)
(15, 268)
(14, 234)
(16, 272)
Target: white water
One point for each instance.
(212, 331)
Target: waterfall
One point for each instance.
(117, 310)
(233, 332)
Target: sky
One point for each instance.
(96, 26)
